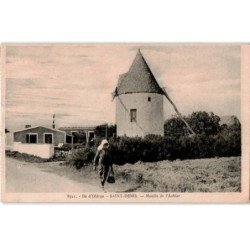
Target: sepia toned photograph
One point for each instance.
(125, 122)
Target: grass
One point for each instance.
(31, 158)
(201, 175)
(24, 157)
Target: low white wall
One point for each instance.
(42, 150)
(9, 141)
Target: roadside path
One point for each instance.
(31, 177)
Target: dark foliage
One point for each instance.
(150, 149)
(200, 122)
(69, 146)
(204, 123)
(80, 157)
(211, 140)
(175, 126)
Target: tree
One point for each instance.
(205, 123)
(201, 122)
(175, 127)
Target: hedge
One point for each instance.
(156, 148)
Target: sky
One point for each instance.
(75, 82)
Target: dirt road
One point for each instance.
(36, 177)
(198, 175)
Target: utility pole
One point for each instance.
(72, 139)
(53, 124)
(106, 131)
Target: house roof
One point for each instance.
(78, 122)
(139, 79)
(57, 130)
(78, 128)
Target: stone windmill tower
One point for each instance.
(139, 101)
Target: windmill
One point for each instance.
(138, 91)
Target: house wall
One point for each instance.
(81, 130)
(149, 114)
(58, 137)
(42, 150)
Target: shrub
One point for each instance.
(80, 157)
(211, 140)
(68, 146)
(60, 155)
(157, 148)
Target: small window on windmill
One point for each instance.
(149, 99)
(133, 115)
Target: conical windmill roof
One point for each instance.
(139, 79)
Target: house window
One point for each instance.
(79, 136)
(91, 135)
(31, 138)
(48, 138)
(149, 99)
(68, 138)
(133, 115)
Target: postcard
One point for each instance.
(125, 122)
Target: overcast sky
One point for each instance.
(76, 81)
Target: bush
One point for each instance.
(211, 140)
(156, 148)
(60, 155)
(80, 157)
